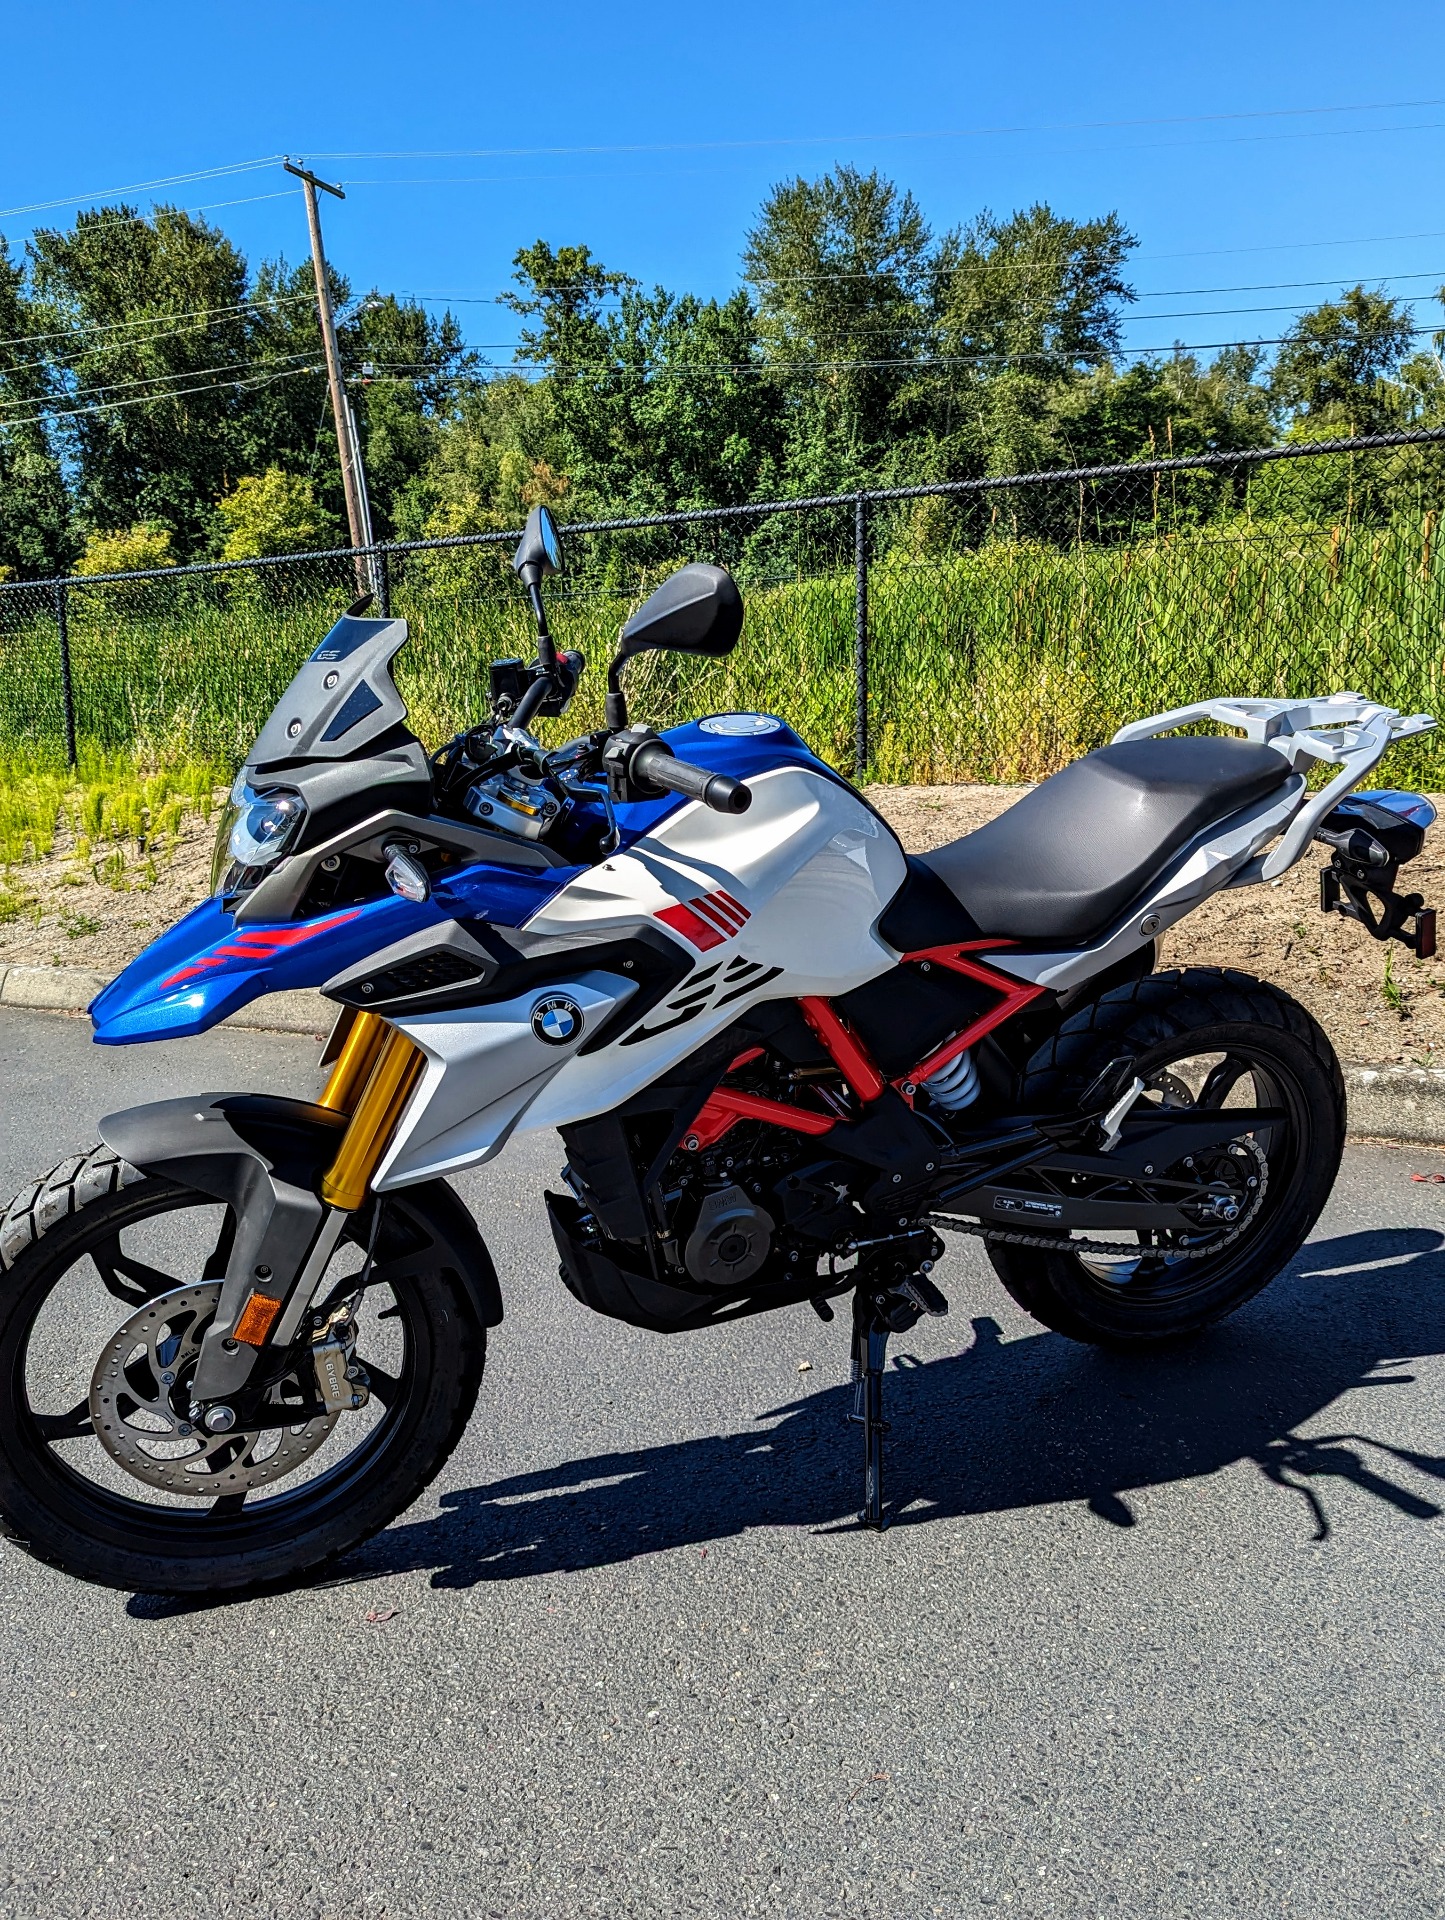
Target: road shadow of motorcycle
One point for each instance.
(1000, 1426)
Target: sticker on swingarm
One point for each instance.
(1036, 1209)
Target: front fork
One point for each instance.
(371, 1081)
(263, 1299)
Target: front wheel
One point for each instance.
(1208, 1038)
(110, 1279)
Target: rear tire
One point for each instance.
(1166, 1021)
(65, 1503)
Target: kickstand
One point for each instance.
(870, 1349)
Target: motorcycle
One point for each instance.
(784, 1058)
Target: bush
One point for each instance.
(273, 512)
(127, 549)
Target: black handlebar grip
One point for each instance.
(660, 767)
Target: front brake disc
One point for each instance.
(140, 1407)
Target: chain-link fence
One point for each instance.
(975, 630)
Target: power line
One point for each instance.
(179, 373)
(155, 319)
(610, 303)
(208, 206)
(541, 369)
(804, 140)
(151, 399)
(145, 186)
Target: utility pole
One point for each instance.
(358, 518)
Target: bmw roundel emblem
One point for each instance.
(557, 1020)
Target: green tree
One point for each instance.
(1025, 309)
(154, 311)
(34, 509)
(126, 549)
(405, 368)
(842, 269)
(1335, 370)
(648, 401)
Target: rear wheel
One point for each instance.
(1205, 1038)
(110, 1280)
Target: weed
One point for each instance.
(77, 926)
(1391, 991)
(111, 871)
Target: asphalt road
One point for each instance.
(1149, 1636)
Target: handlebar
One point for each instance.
(656, 763)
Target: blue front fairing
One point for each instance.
(206, 967)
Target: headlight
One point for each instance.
(255, 829)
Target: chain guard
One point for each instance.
(1114, 1249)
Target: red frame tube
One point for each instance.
(1016, 994)
(726, 1105)
(844, 1048)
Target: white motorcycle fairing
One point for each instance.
(804, 877)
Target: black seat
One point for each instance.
(1066, 860)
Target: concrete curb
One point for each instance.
(1397, 1103)
(1385, 1102)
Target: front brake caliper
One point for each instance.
(340, 1377)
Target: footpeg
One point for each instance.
(1113, 1121)
(925, 1296)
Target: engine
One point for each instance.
(672, 1225)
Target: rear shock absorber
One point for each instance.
(955, 1085)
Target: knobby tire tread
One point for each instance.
(1129, 1020)
(56, 1199)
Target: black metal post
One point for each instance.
(860, 637)
(381, 574)
(67, 684)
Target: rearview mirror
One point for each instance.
(539, 551)
(697, 610)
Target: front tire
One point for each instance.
(95, 1232)
(1203, 1036)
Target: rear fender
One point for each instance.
(264, 1157)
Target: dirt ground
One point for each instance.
(72, 918)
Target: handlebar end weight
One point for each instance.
(725, 795)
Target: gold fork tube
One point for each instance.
(351, 1067)
(373, 1121)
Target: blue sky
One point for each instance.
(1200, 126)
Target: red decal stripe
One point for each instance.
(683, 920)
(259, 943)
(724, 904)
(715, 914)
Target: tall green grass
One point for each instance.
(999, 663)
(116, 814)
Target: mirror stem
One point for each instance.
(614, 707)
(546, 652)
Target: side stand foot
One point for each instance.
(870, 1349)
